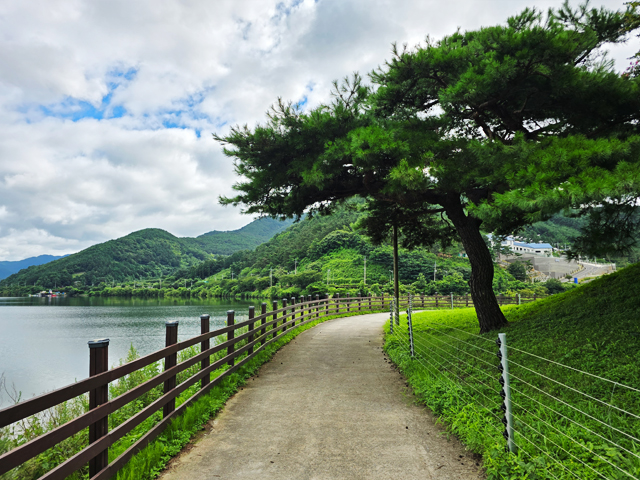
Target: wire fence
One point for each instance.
(551, 420)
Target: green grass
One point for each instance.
(593, 328)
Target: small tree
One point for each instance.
(518, 270)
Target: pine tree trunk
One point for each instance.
(489, 314)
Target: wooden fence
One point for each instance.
(261, 330)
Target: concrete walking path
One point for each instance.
(327, 406)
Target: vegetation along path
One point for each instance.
(328, 405)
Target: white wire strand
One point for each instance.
(545, 453)
(459, 329)
(439, 373)
(467, 343)
(467, 353)
(478, 391)
(569, 453)
(576, 390)
(573, 440)
(520, 392)
(455, 358)
(576, 409)
(531, 457)
(574, 369)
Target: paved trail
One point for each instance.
(327, 406)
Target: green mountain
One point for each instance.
(246, 238)
(146, 253)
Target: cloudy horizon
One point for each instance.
(107, 107)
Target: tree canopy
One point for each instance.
(454, 133)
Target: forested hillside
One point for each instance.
(245, 238)
(149, 253)
(326, 254)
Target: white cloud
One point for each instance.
(143, 67)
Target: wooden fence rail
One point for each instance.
(262, 330)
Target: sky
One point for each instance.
(107, 107)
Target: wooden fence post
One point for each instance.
(204, 345)
(293, 311)
(231, 320)
(284, 314)
(317, 305)
(263, 312)
(348, 304)
(252, 314)
(466, 297)
(171, 327)
(274, 305)
(436, 299)
(98, 363)
(337, 299)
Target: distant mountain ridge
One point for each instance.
(8, 267)
(151, 252)
(245, 238)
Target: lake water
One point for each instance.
(43, 341)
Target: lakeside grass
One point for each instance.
(560, 432)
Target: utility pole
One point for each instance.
(434, 271)
(396, 280)
(295, 267)
(365, 270)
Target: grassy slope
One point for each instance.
(594, 328)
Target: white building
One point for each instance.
(524, 248)
(530, 248)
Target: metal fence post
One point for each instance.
(409, 312)
(263, 313)
(451, 300)
(252, 314)
(519, 300)
(231, 314)
(506, 392)
(171, 327)
(205, 345)
(98, 363)
(284, 314)
(391, 317)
